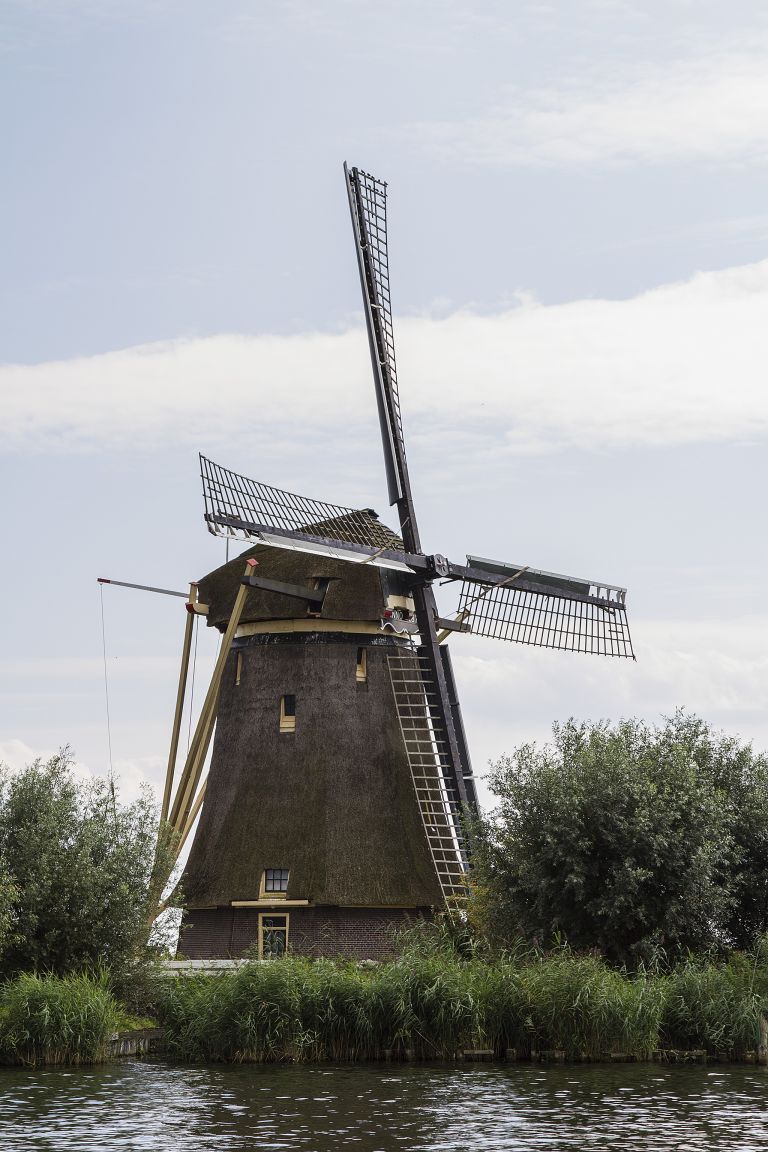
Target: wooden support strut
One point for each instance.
(190, 776)
(191, 818)
(180, 694)
(180, 841)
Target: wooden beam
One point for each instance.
(452, 625)
(193, 767)
(191, 817)
(180, 694)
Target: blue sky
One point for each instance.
(579, 253)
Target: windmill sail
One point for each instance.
(245, 509)
(547, 610)
(368, 207)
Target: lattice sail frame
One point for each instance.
(244, 509)
(593, 624)
(373, 195)
(368, 208)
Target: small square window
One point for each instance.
(288, 713)
(276, 880)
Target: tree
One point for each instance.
(76, 867)
(627, 839)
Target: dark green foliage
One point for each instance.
(740, 778)
(426, 1005)
(262, 1012)
(632, 840)
(435, 1007)
(51, 1020)
(79, 864)
(9, 895)
(714, 1006)
(336, 1011)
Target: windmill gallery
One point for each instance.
(332, 809)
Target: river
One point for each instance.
(136, 1105)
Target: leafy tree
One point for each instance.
(8, 896)
(76, 868)
(628, 839)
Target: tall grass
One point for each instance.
(291, 1010)
(55, 1020)
(425, 1005)
(434, 1005)
(714, 1007)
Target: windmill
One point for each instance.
(340, 767)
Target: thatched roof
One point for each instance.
(355, 592)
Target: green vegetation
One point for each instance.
(55, 1020)
(645, 849)
(431, 1004)
(638, 842)
(75, 870)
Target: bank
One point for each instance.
(559, 1007)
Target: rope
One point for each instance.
(106, 682)
(192, 690)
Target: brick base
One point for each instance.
(354, 933)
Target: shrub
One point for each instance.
(55, 1020)
(627, 839)
(80, 867)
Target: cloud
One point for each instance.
(712, 108)
(715, 668)
(680, 364)
(132, 776)
(16, 754)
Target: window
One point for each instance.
(238, 667)
(287, 713)
(319, 584)
(273, 936)
(361, 673)
(276, 880)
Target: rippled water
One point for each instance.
(374, 1108)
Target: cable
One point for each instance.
(106, 683)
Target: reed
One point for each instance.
(435, 1005)
(714, 1007)
(581, 1006)
(502, 1005)
(574, 1004)
(254, 1015)
(337, 1011)
(55, 1020)
(425, 1005)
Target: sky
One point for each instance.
(579, 268)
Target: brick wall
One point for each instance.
(356, 933)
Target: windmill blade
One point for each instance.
(368, 208)
(244, 509)
(546, 610)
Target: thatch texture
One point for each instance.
(333, 801)
(355, 592)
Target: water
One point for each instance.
(137, 1105)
